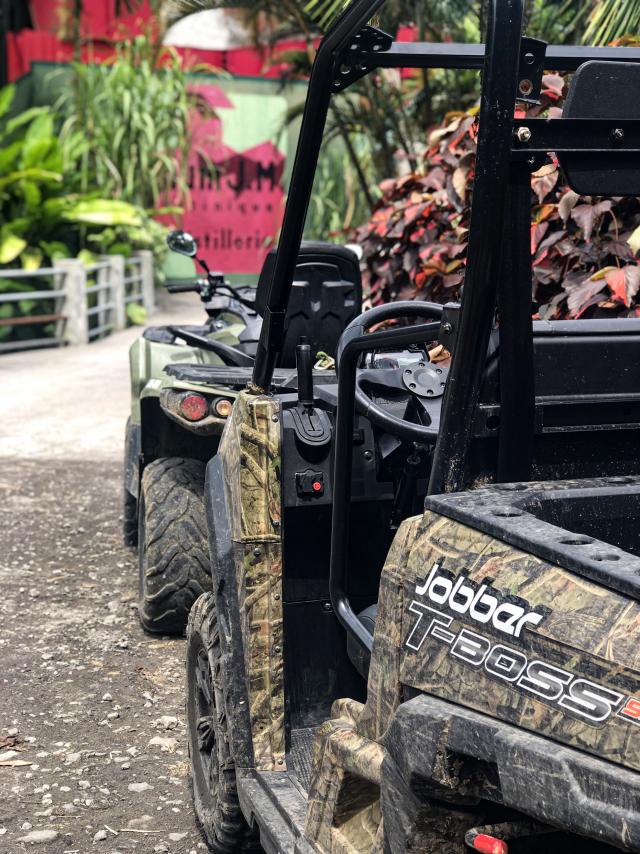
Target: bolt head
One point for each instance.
(525, 87)
(617, 134)
(523, 134)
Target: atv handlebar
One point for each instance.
(193, 286)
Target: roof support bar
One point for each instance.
(472, 56)
(336, 41)
(493, 161)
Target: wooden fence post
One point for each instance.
(74, 285)
(148, 279)
(115, 275)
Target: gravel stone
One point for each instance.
(60, 513)
(38, 837)
(139, 787)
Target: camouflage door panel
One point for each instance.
(250, 452)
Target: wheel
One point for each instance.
(130, 520)
(213, 773)
(173, 553)
(130, 503)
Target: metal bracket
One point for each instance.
(350, 66)
(449, 325)
(530, 70)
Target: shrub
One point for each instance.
(583, 249)
(42, 218)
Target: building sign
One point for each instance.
(236, 172)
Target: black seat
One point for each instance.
(164, 335)
(326, 296)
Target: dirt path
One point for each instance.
(92, 748)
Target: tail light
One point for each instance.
(485, 843)
(194, 407)
(222, 407)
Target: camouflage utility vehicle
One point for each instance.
(423, 625)
(184, 381)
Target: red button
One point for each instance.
(317, 486)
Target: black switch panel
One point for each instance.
(309, 484)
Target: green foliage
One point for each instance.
(136, 314)
(134, 119)
(612, 19)
(583, 249)
(337, 202)
(43, 214)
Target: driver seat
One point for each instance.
(326, 296)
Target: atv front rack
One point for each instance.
(222, 375)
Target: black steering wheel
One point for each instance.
(418, 386)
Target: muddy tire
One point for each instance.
(130, 503)
(173, 553)
(213, 774)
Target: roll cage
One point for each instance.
(512, 66)
(498, 270)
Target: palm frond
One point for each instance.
(612, 19)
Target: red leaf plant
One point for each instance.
(583, 248)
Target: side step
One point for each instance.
(278, 806)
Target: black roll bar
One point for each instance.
(343, 457)
(493, 160)
(472, 56)
(336, 40)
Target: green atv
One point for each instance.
(184, 382)
(422, 628)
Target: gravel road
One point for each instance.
(92, 737)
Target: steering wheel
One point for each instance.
(418, 386)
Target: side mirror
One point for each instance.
(183, 243)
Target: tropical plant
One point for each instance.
(612, 19)
(584, 249)
(337, 204)
(42, 216)
(134, 118)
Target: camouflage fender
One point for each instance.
(583, 638)
(250, 454)
(585, 633)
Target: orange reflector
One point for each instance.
(194, 407)
(490, 844)
(222, 407)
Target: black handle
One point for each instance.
(185, 287)
(304, 365)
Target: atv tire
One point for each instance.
(130, 520)
(213, 774)
(173, 554)
(130, 502)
